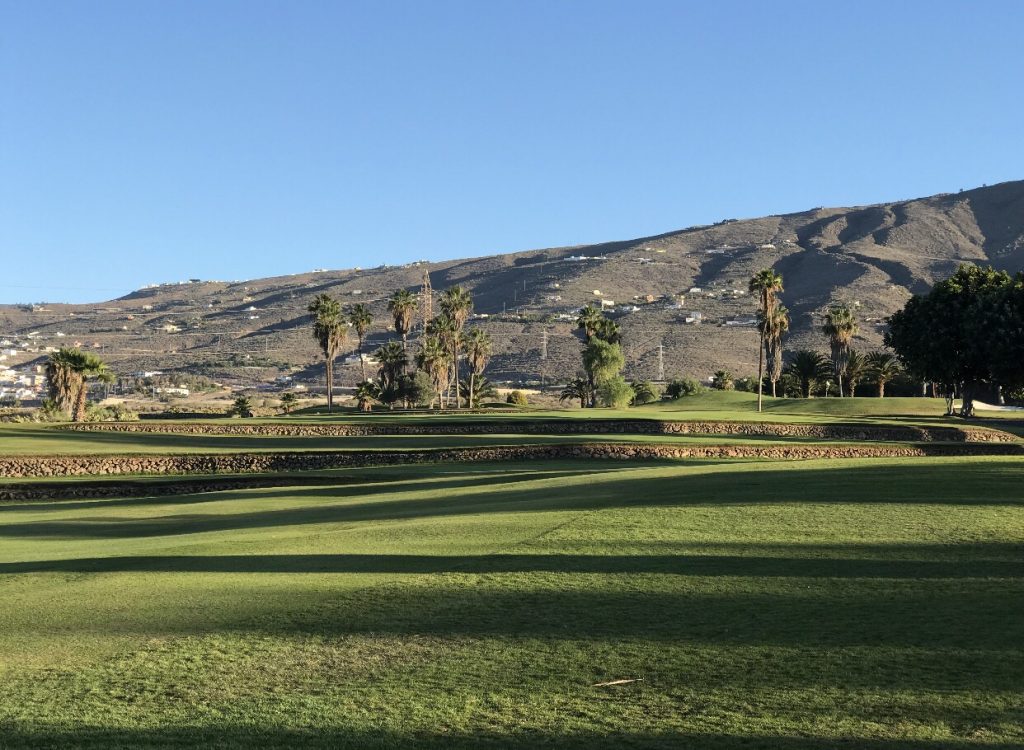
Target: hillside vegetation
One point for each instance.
(871, 257)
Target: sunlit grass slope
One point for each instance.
(804, 605)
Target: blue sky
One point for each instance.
(150, 141)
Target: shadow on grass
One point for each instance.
(749, 566)
(960, 483)
(245, 738)
(343, 483)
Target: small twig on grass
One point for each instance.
(617, 682)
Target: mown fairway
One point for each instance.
(799, 605)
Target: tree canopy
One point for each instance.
(967, 332)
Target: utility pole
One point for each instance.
(661, 363)
(544, 345)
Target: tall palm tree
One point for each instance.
(840, 326)
(588, 321)
(766, 283)
(361, 320)
(882, 367)
(330, 331)
(433, 360)
(402, 307)
(478, 351)
(809, 368)
(773, 329)
(457, 304)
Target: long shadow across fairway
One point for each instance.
(989, 483)
(360, 483)
(749, 566)
(349, 738)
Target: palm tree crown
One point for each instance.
(402, 307)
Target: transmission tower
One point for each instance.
(426, 300)
(661, 363)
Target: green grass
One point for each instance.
(799, 605)
(34, 440)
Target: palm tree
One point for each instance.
(478, 351)
(366, 393)
(402, 307)
(840, 326)
(63, 379)
(457, 304)
(809, 368)
(883, 367)
(361, 319)
(722, 381)
(773, 328)
(68, 372)
(242, 407)
(330, 332)
(288, 402)
(446, 331)
(478, 390)
(856, 369)
(589, 320)
(766, 283)
(393, 362)
(578, 388)
(433, 360)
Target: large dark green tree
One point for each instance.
(966, 333)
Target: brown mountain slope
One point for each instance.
(872, 257)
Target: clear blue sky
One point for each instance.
(147, 141)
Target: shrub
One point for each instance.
(722, 381)
(418, 388)
(51, 412)
(242, 407)
(516, 398)
(615, 392)
(645, 392)
(681, 387)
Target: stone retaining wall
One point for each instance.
(243, 463)
(891, 433)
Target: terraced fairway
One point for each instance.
(797, 605)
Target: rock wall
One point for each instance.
(247, 463)
(889, 433)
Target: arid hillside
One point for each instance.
(873, 257)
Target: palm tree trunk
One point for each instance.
(760, 370)
(881, 388)
(455, 362)
(78, 413)
(472, 387)
(362, 362)
(773, 389)
(330, 385)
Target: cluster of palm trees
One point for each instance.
(68, 373)
(443, 341)
(809, 369)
